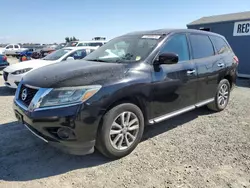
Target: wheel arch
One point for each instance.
(229, 75)
(230, 79)
(138, 100)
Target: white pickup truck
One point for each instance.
(12, 49)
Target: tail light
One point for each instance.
(4, 58)
(236, 60)
(23, 58)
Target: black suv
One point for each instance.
(136, 79)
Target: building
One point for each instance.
(236, 29)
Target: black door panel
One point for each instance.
(208, 65)
(173, 88)
(208, 71)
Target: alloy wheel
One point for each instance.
(124, 130)
(223, 95)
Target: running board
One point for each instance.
(178, 112)
(200, 104)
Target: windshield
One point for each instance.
(130, 48)
(58, 47)
(57, 54)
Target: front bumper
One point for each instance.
(45, 124)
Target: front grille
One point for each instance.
(26, 94)
(5, 76)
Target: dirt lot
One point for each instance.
(197, 149)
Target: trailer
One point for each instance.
(236, 29)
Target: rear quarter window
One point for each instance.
(95, 44)
(220, 44)
(201, 46)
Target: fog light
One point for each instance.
(65, 133)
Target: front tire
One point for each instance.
(121, 131)
(222, 96)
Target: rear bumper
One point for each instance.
(46, 124)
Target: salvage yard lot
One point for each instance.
(197, 149)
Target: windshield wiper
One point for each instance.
(119, 61)
(97, 60)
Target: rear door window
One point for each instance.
(177, 44)
(79, 54)
(82, 44)
(201, 46)
(95, 44)
(16, 46)
(220, 45)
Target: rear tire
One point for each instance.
(222, 96)
(121, 131)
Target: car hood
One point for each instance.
(75, 73)
(27, 64)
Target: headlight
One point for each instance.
(68, 95)
(21, 71)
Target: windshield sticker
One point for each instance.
(151, 36)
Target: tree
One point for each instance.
(74, 39)
(67, 39)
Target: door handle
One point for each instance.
(189, 72)
(221, 64)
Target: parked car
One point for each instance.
(14, 73)
(92, 43)
(105, 100)
(12, 49)
(49, 49)
(3, 62)
(24, 55)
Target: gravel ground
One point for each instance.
(197, 149)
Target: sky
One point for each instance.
(49, 21)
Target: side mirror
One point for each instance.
(70, 58)
(167, 58)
